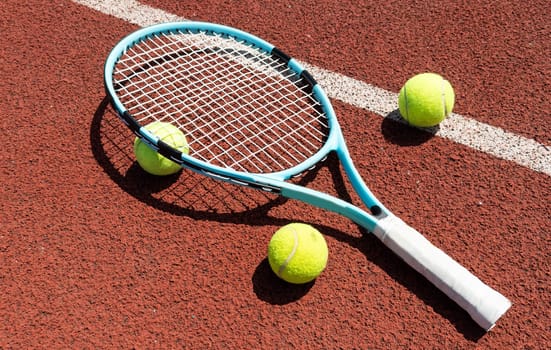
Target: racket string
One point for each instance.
(220, 124)
(239, 107)
(265, 129)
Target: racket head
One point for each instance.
(278, 72)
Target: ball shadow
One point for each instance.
(138, 179)
(271, 289)
(397, 131)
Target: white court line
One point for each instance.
(131, 11)
(466, 131)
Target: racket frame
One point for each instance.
(484, 304)
(271, 182)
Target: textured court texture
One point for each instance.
(95, 253)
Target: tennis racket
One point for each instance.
(253, 116)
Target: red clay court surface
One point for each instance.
(95, 254)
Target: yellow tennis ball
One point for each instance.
(150, 160)
(426, 99)
(297, 253)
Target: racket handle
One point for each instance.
(484, 304)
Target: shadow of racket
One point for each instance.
(199, 197)
(184, 193)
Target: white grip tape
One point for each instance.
(484, 304)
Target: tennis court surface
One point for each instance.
(95, 253)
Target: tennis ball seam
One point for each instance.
(297, 253)
(291, 254)
(443, 95)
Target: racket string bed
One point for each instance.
(242, 108)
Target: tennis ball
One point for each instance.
(297, 253)
(426, 99)
(149, 159)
